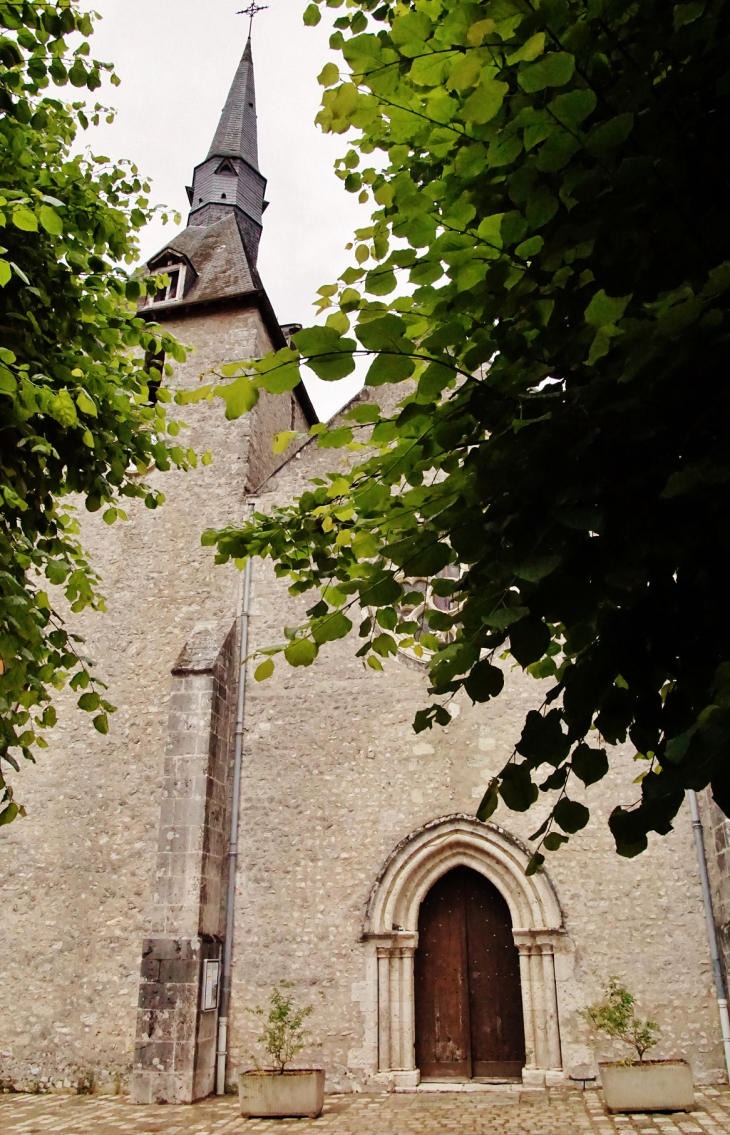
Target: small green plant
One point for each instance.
(616, 1017)
(283, 1036)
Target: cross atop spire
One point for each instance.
(252, 10)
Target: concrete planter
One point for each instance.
(657, 1085)
(296, 1093)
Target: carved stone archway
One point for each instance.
(391, 924)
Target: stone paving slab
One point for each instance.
(502, 1111)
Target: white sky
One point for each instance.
(176, 60)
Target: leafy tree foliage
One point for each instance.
(75, 412)
(554, 204)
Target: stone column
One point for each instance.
(396, 1015)
(174, 1060)
(540, 1006)
(527, 1009)
(555, 1059)
(384, 1063)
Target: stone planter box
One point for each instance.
(297, 1093)
(656, 1085)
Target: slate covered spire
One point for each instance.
(229, 181)
(236, 136)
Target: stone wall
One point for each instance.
(334, 778)
(77, 875)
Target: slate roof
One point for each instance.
(218, 255)
(236, 135)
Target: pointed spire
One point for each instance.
(237, 136)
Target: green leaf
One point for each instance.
(382, 334)
(535, 864)
(312, 15)
(239, 396)
(570, 815)
(389, 368)
(485, 102)
(317, 343)
(10, 813)
(8, 384)
(555, 70)
(89, 702)
(62, 408)
(380, 282)
(573, 107)
(283, 440)
(484, 682)
(265, 670)
(383, 593)
(85, 405)
(6, 273)
(24, 220)
(50, 220)
(554, 841)
(591, 765)
(530, 50)
(687, 13)
(555, 154)
(279, 372)
(503, 617)
(331, 627)
(609, 135)
(543, 738)
(101, 724)
(330, 73)
(301, 652)
(384, 644)
(516, 787)
(529, 639)
(489, 802)
(605, 310)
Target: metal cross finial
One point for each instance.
(252, 10)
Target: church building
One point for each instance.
(359, 873)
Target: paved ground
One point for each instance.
(496, 1110)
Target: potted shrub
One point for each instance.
(281, 1091)
(637, 1084)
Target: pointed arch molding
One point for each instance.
(391, 924)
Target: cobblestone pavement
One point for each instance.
(499, 1110)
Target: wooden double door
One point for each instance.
(469, 1021)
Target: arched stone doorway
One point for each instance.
(391, 924)
(468, 997)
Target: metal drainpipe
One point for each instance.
(711, 929)
(222, 1050)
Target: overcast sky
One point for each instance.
(176, 60)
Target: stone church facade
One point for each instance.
(361, 875)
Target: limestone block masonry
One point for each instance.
(78, 875)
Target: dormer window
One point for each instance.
(227, 167)
(171, 292)
(174, 276)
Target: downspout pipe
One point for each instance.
(225, 1002)
(711, 928)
